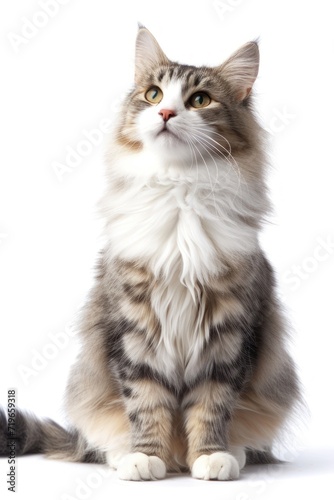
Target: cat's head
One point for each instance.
(187, 113)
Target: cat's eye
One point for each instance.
(154, 95)
(199, 100)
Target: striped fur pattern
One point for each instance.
(183, 363)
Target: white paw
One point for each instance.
(140, 467)
(220, 465)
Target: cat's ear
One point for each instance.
(149, 54)
(241, 70)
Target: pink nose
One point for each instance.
(167, 114)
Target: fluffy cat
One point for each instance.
(183, 363)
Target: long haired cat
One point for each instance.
(183, 364)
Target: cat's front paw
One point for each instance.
(220, 465)
(141, 467)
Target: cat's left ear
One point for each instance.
(241, 70)
(149, 54)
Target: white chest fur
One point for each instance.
(180, 227)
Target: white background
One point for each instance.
(67, 78)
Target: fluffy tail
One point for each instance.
(33, 435)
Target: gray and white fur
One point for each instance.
(183, 365)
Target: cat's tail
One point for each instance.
(27, 434)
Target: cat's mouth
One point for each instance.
(167, 132)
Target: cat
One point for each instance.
(183, 364)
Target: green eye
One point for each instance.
(154, 95)
(199, 100)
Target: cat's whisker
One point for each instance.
(211, 131)
(212, 192)
(219, 145)
(234, 164)
(228, 152)
(212, 147)
(193, 155)
(194, 158)
(207, 148)
(199, 127)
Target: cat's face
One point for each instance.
(182, 113)
(189, 114)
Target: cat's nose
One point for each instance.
(167, 114)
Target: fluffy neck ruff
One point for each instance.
(180, 217)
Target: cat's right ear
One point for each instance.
(149, 54)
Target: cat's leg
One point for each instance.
(239, 454)
(208, 410)
(150, 407)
